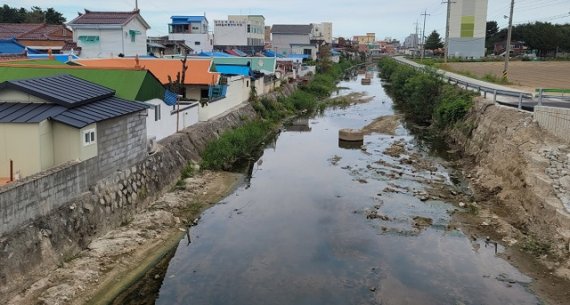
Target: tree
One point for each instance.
(54, 17)
(492, 28)
(34, 15)
(433, 42)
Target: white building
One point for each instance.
(108, 34)
(322, 31)
(285, 36)
(411, 41)
(194, 30)
(240, 31)
(467, 28)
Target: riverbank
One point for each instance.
(114, 261)
(516, 174)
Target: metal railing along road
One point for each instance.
(521, 100)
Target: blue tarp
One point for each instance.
(215, 54)
(59, 57)
(270, 53)
(11, 46)
(303, 56)
(218, 91)
(240, 52)
(170, 98)
(233, 69)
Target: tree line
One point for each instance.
(34, 15)
(546, 38)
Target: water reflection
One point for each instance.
(298, 231)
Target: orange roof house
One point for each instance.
(197, 73)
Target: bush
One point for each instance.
(422, 95)
(234, 145)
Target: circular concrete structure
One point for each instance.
(351, 135)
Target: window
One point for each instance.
(157, 113)
(249, 28)
(307, 52)
(197, 43)
(89, 39)
(89, 137)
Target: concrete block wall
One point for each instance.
(121, 142)
(555, 120)
(83, 208)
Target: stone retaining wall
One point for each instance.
(62, 232)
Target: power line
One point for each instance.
(448, 2)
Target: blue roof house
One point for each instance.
(48, 121)
(194, 30)
(12, 47)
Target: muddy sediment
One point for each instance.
(114, 261)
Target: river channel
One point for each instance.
(320, 223)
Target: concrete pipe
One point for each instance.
(351, 135)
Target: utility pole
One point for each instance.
(425, 14)
(509, 36)
(448, 2)
(415, 42)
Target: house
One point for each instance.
(194, 30)
(242, 32)
(109, 34)
(162, 45)
(45, 122)
(517, 48)
(40, 36)
(10, 49)
(322, 31)
(284, 36)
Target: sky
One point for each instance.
(386, 18)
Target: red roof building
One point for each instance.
(39, 36)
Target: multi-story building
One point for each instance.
(467, 28)
(411, 41)
(292, 39)
(245, 32)
(322, 31)
(365, 39)
(194, 30)
(108, 34)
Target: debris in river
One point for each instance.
(372, 214)
(420, 221)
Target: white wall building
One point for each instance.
(194, 30)
(467, 28)
(108, 34)
(285, 35)
(322, 31)
(240, 31)
(162, 118)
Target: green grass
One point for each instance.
(235, 144)
(241, 143)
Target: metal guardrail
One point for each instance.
(521, 96)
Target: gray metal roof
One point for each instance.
(64, 90)
(80, 104)
(108, 108)
(298, 29)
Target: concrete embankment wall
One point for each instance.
(520, 166)
(63, 231)
(555, 120)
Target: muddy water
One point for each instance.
(322, 224)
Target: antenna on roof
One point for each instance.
(136, 5)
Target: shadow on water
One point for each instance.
(317, 223)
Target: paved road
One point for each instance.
(527, 104)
